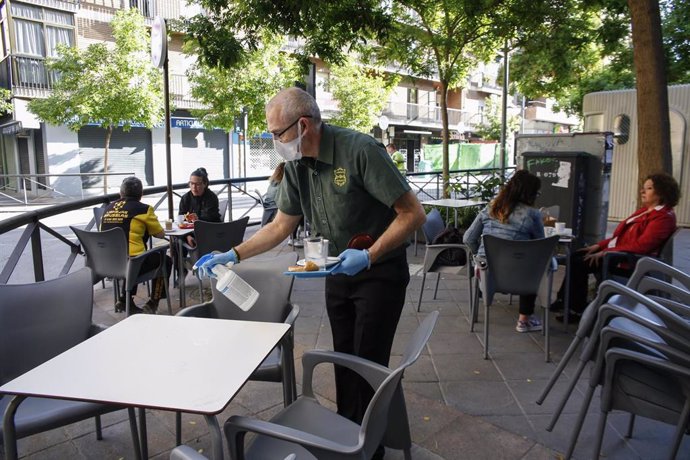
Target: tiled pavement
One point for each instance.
(460, 405)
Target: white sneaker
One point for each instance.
(532, 324)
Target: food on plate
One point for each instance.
(309, 266)
(191, 217)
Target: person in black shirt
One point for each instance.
(200, 202)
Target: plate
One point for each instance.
(316, 274)
(329, 262)
(186, 225)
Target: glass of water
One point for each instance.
(316, 250)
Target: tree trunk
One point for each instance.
(653, 126)
(108, 135)
(445, 135)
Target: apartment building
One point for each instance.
(31, 31)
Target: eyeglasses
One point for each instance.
(195, 184)
(280, 134)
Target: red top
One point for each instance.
(644, 235)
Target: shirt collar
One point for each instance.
(327, 145)
(659, 207)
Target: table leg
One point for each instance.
(455, 213)
(180, 272)
(142, 433)
(216, 437)
(9, 434)
(135, 434)
(566, 291)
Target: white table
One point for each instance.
(177, 236)
(194, 365)
(449, 203)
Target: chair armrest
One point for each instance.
(135, 262)
(434, 250)
(204, 310)
(96, 329)
(649, 264)
(318, 446)
(186, 453)
(292, 316)
(372, 372)
(616, 257)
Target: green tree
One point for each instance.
(225, 92)
(5, 101)
(109, 87)
(362, 94)
(490, 129)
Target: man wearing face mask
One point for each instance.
(346, 185)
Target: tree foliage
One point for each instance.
(229, 29)
(361, 93)
(490, 129)
(107, 86)
(226, 92)
(5, 101)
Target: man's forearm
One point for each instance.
(410, 218)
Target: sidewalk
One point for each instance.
(460, 405)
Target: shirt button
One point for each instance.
(318, 198)
(324, 221)
(316, 173)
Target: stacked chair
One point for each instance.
(638, 338)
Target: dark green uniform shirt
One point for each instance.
(349, 189)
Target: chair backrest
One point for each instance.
(214, 236)
(518, 266)
(666, 252)
(376, 418)
(223, 209)
(38, 321)
(98, 213)
(266, 276)
(433, 225)
(107, 252)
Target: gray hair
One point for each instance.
(131, 188)
(294, 102)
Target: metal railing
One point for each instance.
(6, 183)
(426, 185)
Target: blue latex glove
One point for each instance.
(352, 261)
(206, 262)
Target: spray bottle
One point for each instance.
(229, 283)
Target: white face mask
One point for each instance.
(291, 150)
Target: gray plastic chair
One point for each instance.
(311, 431)
(514, 267)
(107, 254)
(273, 305)
(214, 236)
(307, 430)
(432, 228)
(613, 258)
(39, 321)
(641, 290)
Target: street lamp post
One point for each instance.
(504, 110)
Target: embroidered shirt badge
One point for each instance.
(339, 177)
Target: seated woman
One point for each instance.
(644, 232)
(512, 215)
(200, 202)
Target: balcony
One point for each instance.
(181, 93)
(26, 77)
(62, 5)
(429, 116)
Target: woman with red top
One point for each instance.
(644, 232)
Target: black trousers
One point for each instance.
(158, 285)
(364, 311)
(527, 304)
(579, 280)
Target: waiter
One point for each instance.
(348, 188)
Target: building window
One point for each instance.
(37, 32)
